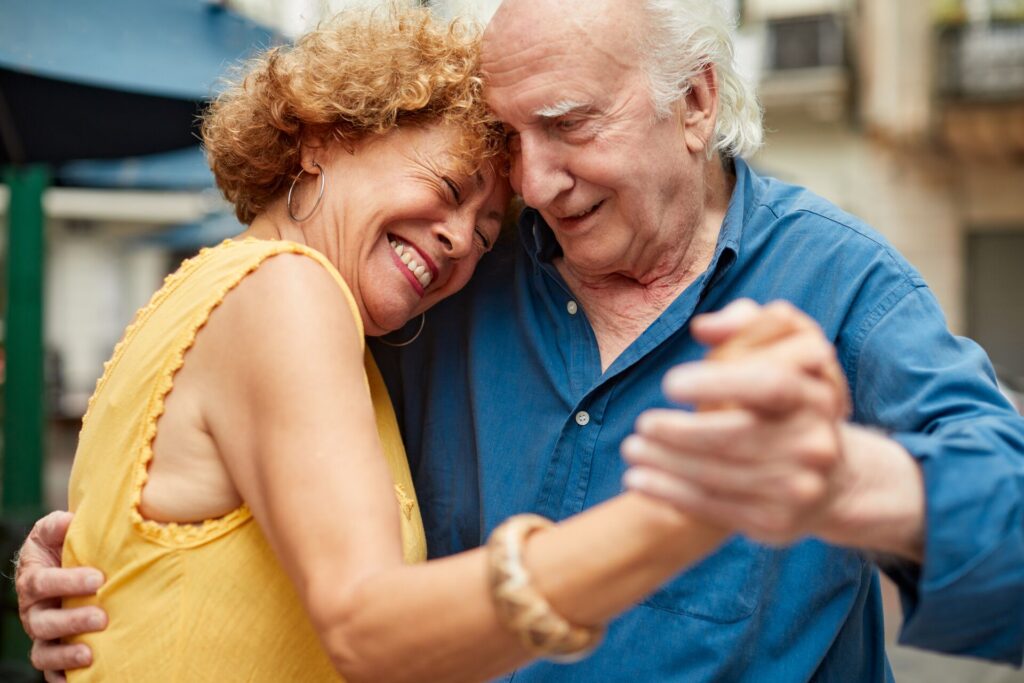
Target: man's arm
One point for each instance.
(41, 583)
(936, 396)
(767, 451)
(943, 489)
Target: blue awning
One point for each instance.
(100, 79)
(168, 48)
(208, 232)
(184, 169)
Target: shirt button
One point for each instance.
(572, 307)
(583, 418)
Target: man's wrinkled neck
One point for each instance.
(621, 304)
(665, 268)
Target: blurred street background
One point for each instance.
(907, 113)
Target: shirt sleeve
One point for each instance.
(936, 395)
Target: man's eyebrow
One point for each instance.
(561, 108)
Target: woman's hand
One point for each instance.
(41, 583)
(763, 453)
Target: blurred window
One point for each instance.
(806, 42)
(995, 298)
(982, 61)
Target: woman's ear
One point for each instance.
(314, 149)
(698, 111)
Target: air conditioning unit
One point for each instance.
(805, 64)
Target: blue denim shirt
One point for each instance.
(505, 409)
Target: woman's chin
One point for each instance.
(384, 325)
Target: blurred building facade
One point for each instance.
(914, 121)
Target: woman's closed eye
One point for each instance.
(453, 190)
(481, 239)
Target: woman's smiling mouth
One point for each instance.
(413, 264)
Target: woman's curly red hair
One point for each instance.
(363, 73)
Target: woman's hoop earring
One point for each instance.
(423, 322)
(319, 196)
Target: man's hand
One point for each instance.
(41, 583)
(766, 453)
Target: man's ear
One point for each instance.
(698, 111)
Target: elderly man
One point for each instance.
(629, 126)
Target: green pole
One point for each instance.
(24, 419)
(23, 398)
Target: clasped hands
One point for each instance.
(763, 453)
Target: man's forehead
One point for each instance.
(539, 63)
(519, 24)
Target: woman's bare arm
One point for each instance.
(291, 415)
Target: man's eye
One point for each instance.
(568, 125)
(482, 239)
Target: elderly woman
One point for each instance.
(240, 478)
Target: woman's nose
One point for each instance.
(455, 236)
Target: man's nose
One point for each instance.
(540, 171)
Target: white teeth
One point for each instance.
(583, 213)
(419, 271)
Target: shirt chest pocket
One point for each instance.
(725, 587)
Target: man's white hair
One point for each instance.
(682, 38)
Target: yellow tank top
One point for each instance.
(193, 602)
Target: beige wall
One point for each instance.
(925, 203)
(894, 45)
(771, 9)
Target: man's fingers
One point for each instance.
(42, 583)
(52, 623)
(768, 523)
(56, 657)
(764, 387)
(44, 544)
(51, 529)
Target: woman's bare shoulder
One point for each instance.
(287, 322)
(289, 294)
